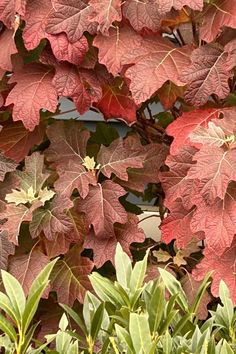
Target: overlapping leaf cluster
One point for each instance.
(62, 190)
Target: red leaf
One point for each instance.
(175, 182)
(157, 61)
(6, 249)
(116, 158)
(25, 268)
(6, 165)
(68, 142)
(103, 209)
(105, 13)
(215, 168)
(70, 277)
(71, 17)
(182, 127)
(7, 42)
(218, 221)
(16, 141)
(169, 93)
(32, 92)
(8, 9)
(113, 48)
(142, 14)
(206, 75)
(52, 220)
(80, 84)
(165, 6)
(223, 266)
(74, 176)
(104, 248)
(218, 14)
(177, 225)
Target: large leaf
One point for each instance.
(71, 17)
(32, 92)
(103, 209)
(6, 249)
(7, 42)
(166, 5)
(8, 9)
(6, 165)
(25, 268)
(104, 248)
(70, 277)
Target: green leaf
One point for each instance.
(227, 302)
(200, 293)
(123, 267)
(104, 134)
(97, 321)
(138, 274)
(7, 328)
(155, 302)
(140, 333)
(124, 337)
(75, 317)
(5, 305)
(15, 293)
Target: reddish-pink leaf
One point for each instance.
(16, 141)
(169, 93)
(116, 158)
(104, 248)
(215, 168)
(218, 221)
(68, 142)
(223, 267)
(70, 277)
(165, 6)
(6, 165)
(74, 176)
(6, 249)
(105, 12)
(71, 17)
(32, 92)
(182, 127)
(103, 209)
(218, 14)
(80, 84)
(157, 61)
(176, 226)
(7, 42)
(8, 9)
(52, 220)
(113, 48)
(142, 14)
(25, 268)
(206, 75)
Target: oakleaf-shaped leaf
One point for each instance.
(16, 141)
(53, 219)
(7, 248)
(206, 75)
(6, 165)
(213, 135)
(219, 13)
(25, 268)
(142, 14)
(7, 42)
(165, 6)
(32, 92)
(116, 158)
(70, 277)
(68, 142)
(105, 12)
(103, 209)
(157, 61)
(169, 93)
(71, 17)
(223, 267)
(8, 9)
(23, 197)
(104, 249)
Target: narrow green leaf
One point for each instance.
(140, 333)
(124, 337)
(7, 328)
(97, 321)
(75, 317)
(123, 267)
(138, 274)
(5, 305)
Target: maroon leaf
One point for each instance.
(7, 42)
(8, 9)
(6, 165)
(6, 249)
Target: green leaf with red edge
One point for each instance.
(7, 42)
(70, 277)
(6, 249)
(105, 12)
(116, 102)
(157, 61)
(117, 158)
(16, 141)
(8, 9)
(206, 75)
(223, 267)
(26, 267)
(6, 165)
(104, 248)
(52, 219)
(33, 91)
(103, 209)
(218, 13)
(71, 17)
